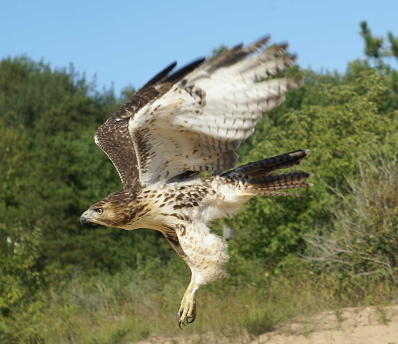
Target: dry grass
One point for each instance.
(132, 306)
(363, 240)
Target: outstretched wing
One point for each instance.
(198, 124)
(113, 136)
(195, 119)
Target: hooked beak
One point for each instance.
(84, 219)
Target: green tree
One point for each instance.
(347, 122)
(51, 169)
(378, 51)
(373, 44)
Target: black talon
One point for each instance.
(191, 319)
(179, 319)
(180, 323)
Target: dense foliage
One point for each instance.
(51, 171)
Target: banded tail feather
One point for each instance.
(261, 177)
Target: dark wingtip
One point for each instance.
(158, 77)
(180, 73)
(258, 44)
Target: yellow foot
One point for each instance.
(187, 312)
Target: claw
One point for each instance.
(187, 311)
(179, 321)
(191, 319)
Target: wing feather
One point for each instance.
(199, 123)
(113, 136)
(194, 119)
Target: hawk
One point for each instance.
(180, 124)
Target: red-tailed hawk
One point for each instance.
(180, 124)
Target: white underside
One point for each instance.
(205, 251)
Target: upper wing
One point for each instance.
(195, 119)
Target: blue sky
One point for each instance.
(126, 42)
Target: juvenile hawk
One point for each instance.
(180, 124)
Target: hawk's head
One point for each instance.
(115, 210)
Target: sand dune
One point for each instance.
(361, 325)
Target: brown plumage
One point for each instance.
(193, 120)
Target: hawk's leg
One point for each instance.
(204, 253)
(187, 312)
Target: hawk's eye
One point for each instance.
(99, 211)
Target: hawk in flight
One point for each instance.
(180, 124)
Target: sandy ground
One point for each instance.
(362, 325)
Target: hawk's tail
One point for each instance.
(262, 178)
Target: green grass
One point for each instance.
(135, 304)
